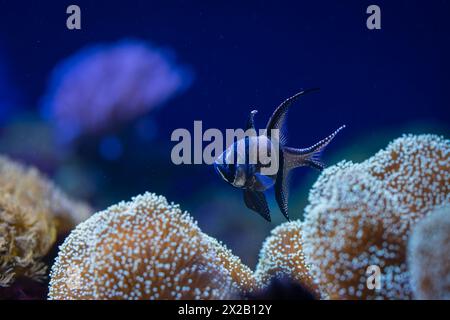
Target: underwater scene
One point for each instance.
(220, 150)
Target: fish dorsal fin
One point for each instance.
(251, 120)
(278, 117)
(256, 201)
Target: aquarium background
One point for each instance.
(137, 70)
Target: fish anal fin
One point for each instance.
(281, 187)
(256, 201)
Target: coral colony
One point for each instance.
(143, 249)
(428, 256)
(104, 86)
(389, 213)
(282, 255)
(362, 214)
(32, 212)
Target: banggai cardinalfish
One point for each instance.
(235, 167)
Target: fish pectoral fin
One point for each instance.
(263, 181)
(256, 201)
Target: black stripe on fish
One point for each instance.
(281, 187)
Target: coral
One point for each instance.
(143, 249)
(104, 86)
(416, 169)
(32, 210)
(428, 256)
(241, 274)
(362, 214)
(282, 256)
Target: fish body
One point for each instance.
(242, 165)
(238, 171)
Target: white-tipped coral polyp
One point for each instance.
(282, 256)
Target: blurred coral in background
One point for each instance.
(33, 211)
(98, 108)
(429, 256)
(106, 85)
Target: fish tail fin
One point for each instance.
(291, 158)
(309, 156)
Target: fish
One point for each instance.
(234, 167)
